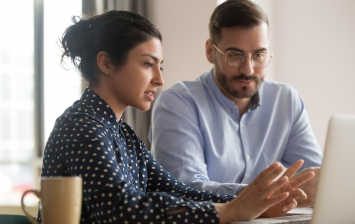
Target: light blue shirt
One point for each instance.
(198, 135)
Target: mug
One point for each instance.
(59, 200)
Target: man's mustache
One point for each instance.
(244, 77)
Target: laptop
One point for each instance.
(335, 198)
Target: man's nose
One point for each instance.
(247, 67)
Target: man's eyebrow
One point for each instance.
(153, 57)
(236, 49)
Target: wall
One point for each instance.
(314, 52)
(312, 42)
(184, 27)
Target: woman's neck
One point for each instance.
(106, 94)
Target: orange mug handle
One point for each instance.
(37, 193)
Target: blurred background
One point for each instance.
(312, 42)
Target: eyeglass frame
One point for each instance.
(245, 57)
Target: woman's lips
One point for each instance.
(149, 95)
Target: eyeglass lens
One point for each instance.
(236, 58)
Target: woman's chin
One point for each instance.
(143, 108)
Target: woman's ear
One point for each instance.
(103, 62)
(209, 51)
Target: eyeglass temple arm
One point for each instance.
(218, 49)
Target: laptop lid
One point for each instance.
(335, 198)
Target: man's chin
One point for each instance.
(244, 96)
(244, 93)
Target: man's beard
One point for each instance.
(245, 92)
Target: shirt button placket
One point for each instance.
(244, 136)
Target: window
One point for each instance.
(18, 157)
(61, 87)
(16, 99)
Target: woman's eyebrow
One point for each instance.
(153, 57)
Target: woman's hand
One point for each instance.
(266, 196)
(257, 197)
(290, 202)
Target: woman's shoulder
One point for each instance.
(129, 132)
(80, 115)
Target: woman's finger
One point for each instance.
(290, 206)
(297, 181)
(269, 177)
(299, 193)
(269, 169)
(269, 190)
(276, 199)
(293, 169)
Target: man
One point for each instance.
(220, 131)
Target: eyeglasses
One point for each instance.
(235, 58)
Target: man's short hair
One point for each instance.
(241, 13)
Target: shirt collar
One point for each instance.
(101, 109)
(223, 100)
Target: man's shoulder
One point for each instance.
(185, 95)
(185, 89)
(275, 84)
(183, 86)
(274, 87)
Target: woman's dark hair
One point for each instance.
(114, 32)
(242, 13)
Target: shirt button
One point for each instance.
(242, 125)
(248, 157)
(235, 107)
(226, 109)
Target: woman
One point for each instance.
(120, 55)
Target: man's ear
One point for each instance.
(103, 62)
(209, 51)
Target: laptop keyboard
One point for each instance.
(294, 218)
(305, 220)
(288, 218)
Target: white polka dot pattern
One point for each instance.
(122, 182)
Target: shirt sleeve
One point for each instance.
(108, 193)
(178, 144)
(161, 180)
(302, 143)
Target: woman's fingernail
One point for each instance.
(285, 209)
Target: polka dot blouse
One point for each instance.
(122, 182)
